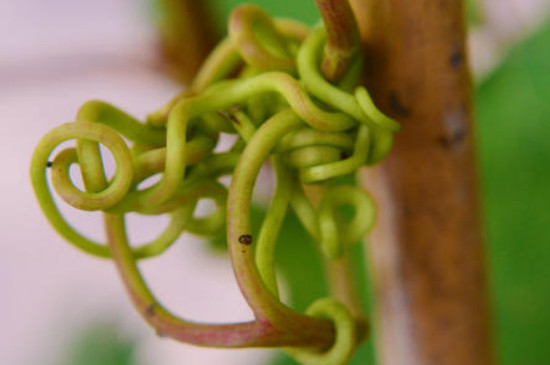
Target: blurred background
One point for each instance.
(61, 307)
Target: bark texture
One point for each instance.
(426, 254)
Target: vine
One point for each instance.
(266, 84)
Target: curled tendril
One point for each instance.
(261, 43)
(264, 84)
(336, 235)
(345, 339)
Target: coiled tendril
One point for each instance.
(282, 108)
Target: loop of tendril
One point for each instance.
(345, 338)
(264, 85)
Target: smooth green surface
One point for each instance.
(303, 10)
(513, 110)
(102, 343)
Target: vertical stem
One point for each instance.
(187, 35)
(342, 37)
(342, 45)
(427, 251)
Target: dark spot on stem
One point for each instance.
(233, 114)
(453, 140)
(456, 57)
(456, 60)
(160, 334)
(343, 155)
(49, 164)
(397, 106)
(456, 128)
(150, 310)
(234, 119)
(245, 239)
(230, 114)
(223, 114)
(450, 141)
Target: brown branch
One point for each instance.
(426, 252)
(342, 37)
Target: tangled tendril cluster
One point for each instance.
(262, 83)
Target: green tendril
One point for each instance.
(260, 44)
(345, 340)
(263, 85)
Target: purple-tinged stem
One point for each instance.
(259, 333)
(343, 41)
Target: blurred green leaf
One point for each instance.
(474, 12)
(513, 114)
(101, 344)
(305, 11)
